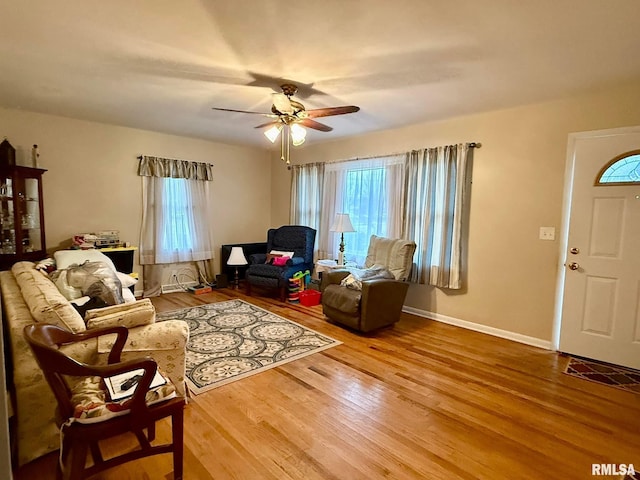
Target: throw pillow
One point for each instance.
(66, 258)
(271, 256)
(126, 280)
(281, 261)
(129, 315)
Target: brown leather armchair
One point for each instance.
(380, 301)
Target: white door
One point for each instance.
(601, 302)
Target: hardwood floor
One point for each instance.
(422, 400)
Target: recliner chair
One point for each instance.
(380, 301)
(289, 238)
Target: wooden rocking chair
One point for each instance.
(84, 431)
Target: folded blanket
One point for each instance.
(358, 275)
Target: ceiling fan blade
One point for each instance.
(329, 111)
(243, 111)
(268, 124)
(307, 122)
(282, 103)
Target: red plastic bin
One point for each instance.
(309, 298)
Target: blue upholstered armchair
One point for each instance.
(289, 238)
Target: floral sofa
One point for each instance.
(29, 296)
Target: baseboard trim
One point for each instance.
(476, 327)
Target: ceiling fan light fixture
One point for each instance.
(291, 116)
(298, 134)
(273, 132)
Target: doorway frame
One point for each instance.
(570, 164)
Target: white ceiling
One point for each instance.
(162, 64)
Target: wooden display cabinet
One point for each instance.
(21, 215)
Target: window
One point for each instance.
(420, 196)
(370, 192)
(622, 170)
(367, 207)
(176, 233)
(176, 215)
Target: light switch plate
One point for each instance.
(547, 233)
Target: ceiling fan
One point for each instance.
(290, 115)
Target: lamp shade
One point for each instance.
(237, 257)
(273, 132)
(342, 223)
(298, 134)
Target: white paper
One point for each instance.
(114, 384)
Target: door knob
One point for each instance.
(573, 266)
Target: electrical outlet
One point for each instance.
(547, 233)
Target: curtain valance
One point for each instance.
(172, 168)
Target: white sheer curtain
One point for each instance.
(306, 196)
(435, 193)
(176, 215)
(331, 204)
(175, 221)
(370, 191)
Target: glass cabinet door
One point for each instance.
(21, 216)
(7, 216)
(31, 237)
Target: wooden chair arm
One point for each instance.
(49, 335)
(114, 355)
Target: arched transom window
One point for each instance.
(622, 170)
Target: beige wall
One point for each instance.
(518, 177)
(91, 183)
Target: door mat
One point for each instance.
(604, 373)
(234, 339)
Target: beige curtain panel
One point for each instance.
(435, 195)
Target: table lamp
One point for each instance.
(236, 259)
(341, 223)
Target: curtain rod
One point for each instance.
(469, 144)
(139, 157)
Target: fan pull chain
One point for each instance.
(282, 144)
(288, 143)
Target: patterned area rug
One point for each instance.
(605, 373)
(234, 339)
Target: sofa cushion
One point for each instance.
(128, 315)
(126, 280)
(45, 302)
(394, 253)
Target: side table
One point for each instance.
(327, 265)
